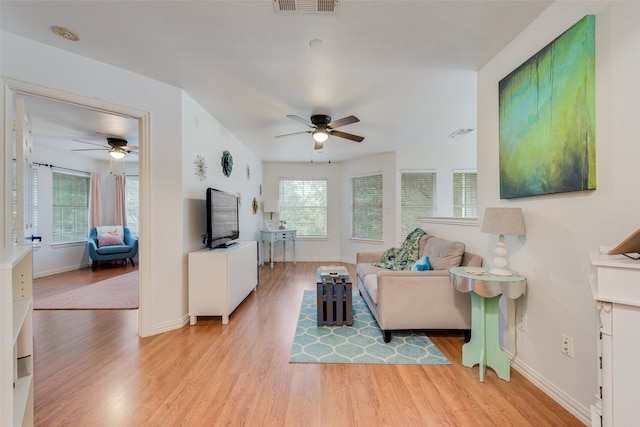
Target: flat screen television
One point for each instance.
(222, 219)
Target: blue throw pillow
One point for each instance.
(422, 264)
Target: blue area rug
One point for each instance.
(360, 343)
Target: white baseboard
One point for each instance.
(169, 326)
(59, 270)
(580, 412)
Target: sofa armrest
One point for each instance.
(368, 257)
(471, 260)
(92, 248)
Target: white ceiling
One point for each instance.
(406, 69)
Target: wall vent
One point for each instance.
(460, 133)
(305, 6)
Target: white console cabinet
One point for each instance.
(220, 279)
(16, 335)
(615, 284)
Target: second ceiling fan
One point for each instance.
(323, 127)
(117, 148)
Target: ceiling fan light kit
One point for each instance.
(117, 153)
(320, 135)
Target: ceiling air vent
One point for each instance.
(305, 6)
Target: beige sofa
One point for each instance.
(417, 299)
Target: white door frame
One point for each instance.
(12, 86)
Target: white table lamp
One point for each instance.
(502, 221)
(271, 206)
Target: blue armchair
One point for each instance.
(112, 252)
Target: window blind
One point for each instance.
(70, 213)
(417, 199)
(303, 205)
(465, 194)
(366, 207)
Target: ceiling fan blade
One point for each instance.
(345, 135)
(129, 149)
(343, 122)
(87, 142)
(318, 145)
(301, 120)
(91, 149)
(295, 133)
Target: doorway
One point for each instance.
(141, 118)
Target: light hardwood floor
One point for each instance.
(91, 369)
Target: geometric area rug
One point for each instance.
(116, 293)
(360, 343)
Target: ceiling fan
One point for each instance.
(117, 149)
(323, 127)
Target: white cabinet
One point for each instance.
(16, 335)
(615, 284)
(220, 279)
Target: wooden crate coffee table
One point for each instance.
(334, 296)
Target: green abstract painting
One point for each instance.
(547, 118)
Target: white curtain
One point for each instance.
(96, 205)
(120, 214)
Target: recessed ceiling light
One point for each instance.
(66, 33)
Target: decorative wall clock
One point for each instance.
(227, 163)
(200, 168)
(256, 206)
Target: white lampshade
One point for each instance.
(272, 205)
(502, 221)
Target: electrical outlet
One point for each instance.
(522, 322)
(567, 346)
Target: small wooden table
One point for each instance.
(272, 236)
(334, 296)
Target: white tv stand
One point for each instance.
(220, 279)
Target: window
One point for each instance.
(132, 204)
(417, 199)
(303, 204)
(465, 194)
(366, 207)
(70, 213)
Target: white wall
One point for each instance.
(160, 252)
(562, 227)
(444, 158)
(308, 249)
(205, 136)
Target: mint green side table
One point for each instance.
(486, 290)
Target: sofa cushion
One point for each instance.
(443, 254)
(422, 244)
(113, 249)
(110, 230)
